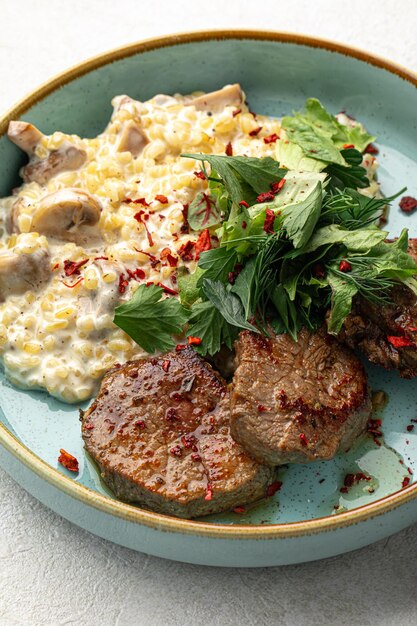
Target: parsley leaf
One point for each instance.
(300, 219)
(217, 263)
(244, 177)
(207, 323)
(227, 303)
(150, 320)
(187, 285)
(353, 176)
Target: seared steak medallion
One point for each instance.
(386, 334)
(293, 402)
(159, 431)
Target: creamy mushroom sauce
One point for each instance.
(60, 336)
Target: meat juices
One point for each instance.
(294, 402)
(386, 334)
(159, 431)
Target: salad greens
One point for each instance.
(297, 241)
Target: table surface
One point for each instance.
(54, 573)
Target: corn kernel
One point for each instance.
(86, 323)
(49, 342)
(31, 347)
(24, 222)
(66, 313)
(54, 326)
(119, 345)
(90, 279)
(62, 372)
(110, 276)
(85, 349)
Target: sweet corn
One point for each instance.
(32, 348)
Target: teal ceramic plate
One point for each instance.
(309, 518)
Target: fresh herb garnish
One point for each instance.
(292, 244)
(150, 319)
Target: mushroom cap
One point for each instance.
(231, 95)
(65, 213)
(132, 139)
(24, 135)
(21, 272)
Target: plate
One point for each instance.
(309, 518)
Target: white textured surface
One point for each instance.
(53, 573)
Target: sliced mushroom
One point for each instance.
(132, 139)
(24, 135)
(231, 95)
(66, 214)
(11, 221)
(69, 156)
(21, 272)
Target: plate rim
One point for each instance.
(133, 513)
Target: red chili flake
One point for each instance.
(162, 199)
(141, 217)
(209, 492)
(261, 408)
(140, 424)
(347, 146)
(271, 138)
(200, 174)
(55, 267)
(236, 112)
(180, 346)
(141, 201)
(229, 149)
(345, 266)
(166, 289)
(414, 421)
(72, 267)
(371, 149)
(123, 283)
(136, 274)
(277, 186)
(170, 258)
(406, 482)
(185, 228)
(166, 364)
(186, 251)
(195, 456)
(194, 341)
(101, 258)
(408, 204)
(409, 470)
(244, 225)
(89, 426)
(255, 131)
(303, 439)
(188, 440)
(410, 428)
(400, 342)
(266, 196)
(80, 280)
(171, 415)
(176, 451)
(239, 509)
(269, 221)
(273, 488)
(203, 243)
(133, 374)
(231, 277)
(68, 461)
(244, 204)
(318, 270)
